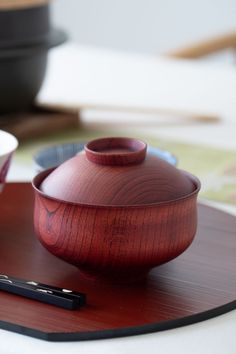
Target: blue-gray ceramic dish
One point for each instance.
(53, 156)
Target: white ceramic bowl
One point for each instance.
(8, 144)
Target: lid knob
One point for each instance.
(116, 151)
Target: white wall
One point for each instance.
(143, 25)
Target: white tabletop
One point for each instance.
(214, 336)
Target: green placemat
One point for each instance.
(215, 168)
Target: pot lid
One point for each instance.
(54, 38)
(117, 172)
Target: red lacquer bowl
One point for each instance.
(115, 212)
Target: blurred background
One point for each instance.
(99, 69)
(151, 26)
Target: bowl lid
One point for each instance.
(117, 172)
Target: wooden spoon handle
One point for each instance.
(206, 47)
(17, 4)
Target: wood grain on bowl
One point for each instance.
(116, 171)
(197, 285)
(115, 242)
(114, 212)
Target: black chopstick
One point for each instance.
(60, 297)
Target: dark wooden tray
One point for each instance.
(198, 285)
(35, 123)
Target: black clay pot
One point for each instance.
(22, 71)
(24, 26)
(25, 39)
